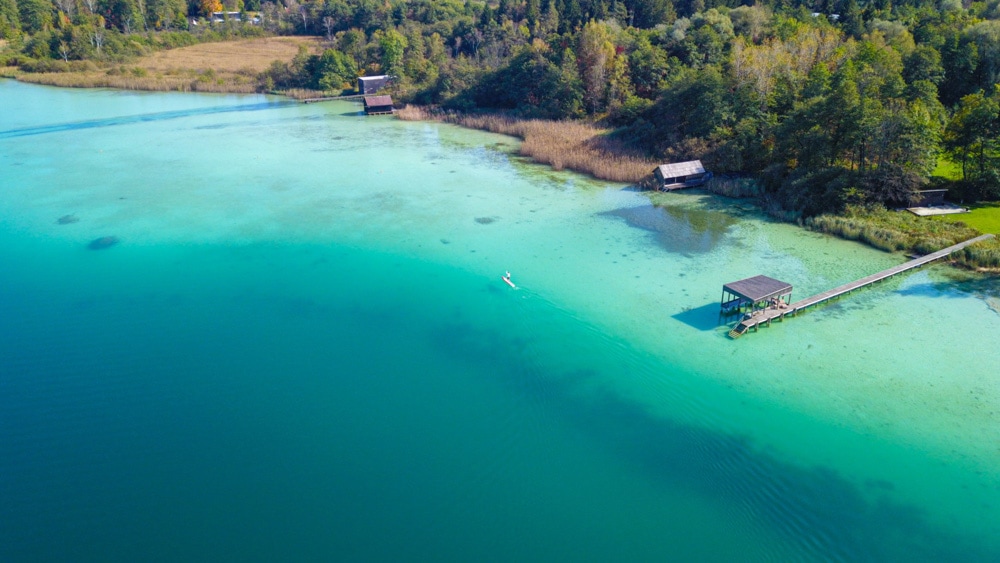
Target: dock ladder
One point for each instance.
(738, 331)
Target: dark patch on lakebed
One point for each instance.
(103, 243)
(486, 220)
(678, 230)
(68, 219)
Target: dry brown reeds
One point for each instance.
(561, 144)
(134, 81)
(252, 55)
(305, 93)
(227, 67)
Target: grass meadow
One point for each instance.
(230, 66)
(947, 169)
(984, 217)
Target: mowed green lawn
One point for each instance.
(948, 169)
(984, 217)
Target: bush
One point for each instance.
(891, 230)
(931, 244)
(44, 65)
(734, 186)
(984, 254)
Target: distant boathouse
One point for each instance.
(378, 105)
(372, 84)
(680, 175)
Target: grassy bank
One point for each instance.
(902, 231)
(561, 144)
(983, 217)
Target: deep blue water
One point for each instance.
(300, 349)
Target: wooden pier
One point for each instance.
(760, 317)
(331, 98)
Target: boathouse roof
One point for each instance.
(678, 169)
(376, 101)
(758, 288)
(372, 84)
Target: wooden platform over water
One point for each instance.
(765, 316)
(331, 98)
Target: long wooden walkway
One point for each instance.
(765, 316)
(330, 98)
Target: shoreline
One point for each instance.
(569, 145)
(564, 145)
(586, 149)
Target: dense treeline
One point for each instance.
(41, 31)
(829, 103)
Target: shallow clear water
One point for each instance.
(301, 348)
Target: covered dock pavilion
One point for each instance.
(758, 292)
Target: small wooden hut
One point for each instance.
(754, 293)
(372, 84)
(929, 198)
(378, 105)
(680, 175)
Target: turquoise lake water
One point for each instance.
(300, 349)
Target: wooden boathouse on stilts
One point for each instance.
(378, 105)
(751, 294)
(762, 299)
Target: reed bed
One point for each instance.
(305, 93)
(982, 255)
(561, 144)
(898, 230)
(133, 80)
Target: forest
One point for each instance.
(827, 104)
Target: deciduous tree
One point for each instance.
(393, 46)
(595, 55)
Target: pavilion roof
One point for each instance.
(758, 288)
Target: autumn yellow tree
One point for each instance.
(210, 6)
(596, 56)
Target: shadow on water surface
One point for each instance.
(707, 317)
(680, 230)
(819, 513)
(142, 118)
